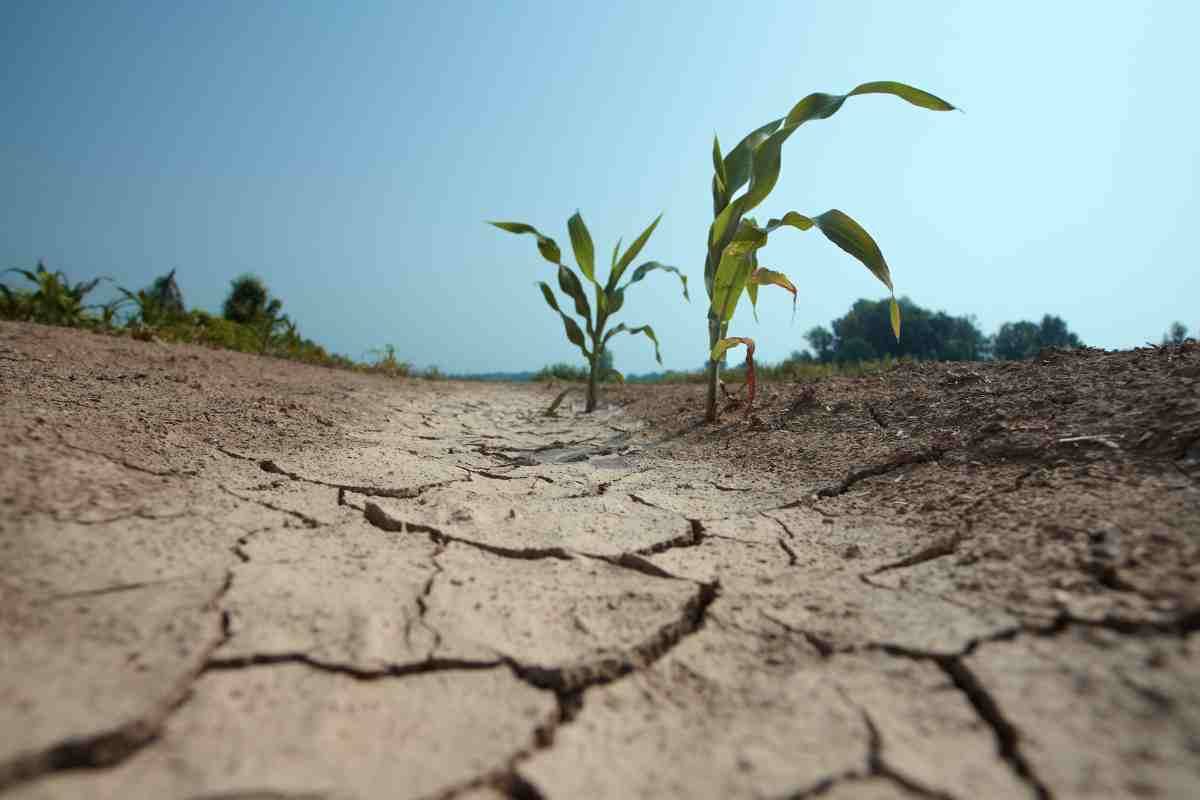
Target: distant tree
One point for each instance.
(800, 357)
(1176, 334)
(1020, 340)
(864, 334)
(1053, 333)
(1016, 341)
(249, 303)
(821, 341)
(854, 350)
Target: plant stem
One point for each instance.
(591, 392)
(714, 370)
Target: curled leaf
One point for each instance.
(650, 266)
(546, 246)
(762, 277)
(896, 319)
(646, 329)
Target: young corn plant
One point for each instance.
(55, 300)
(609, 296)
(734, 239)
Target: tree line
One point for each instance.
(863, 334)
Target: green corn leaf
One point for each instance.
(791, 218)
(918, 97)
(736, 264)
(581, 243)
(646, 329)
(841, 229)
(765, 147)
(616, 249)
(644, 269)
(847, 234)
(569, 282)
(629, 255)
(720, 193)
(737, 163)
(896, 319)
(752, 287)
(574, 334)
(546, 246)
(616, 299)
(30, 276)
(718, 162)
(730, 280)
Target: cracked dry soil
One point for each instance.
(223, 576)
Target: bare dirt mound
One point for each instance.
(228, 576)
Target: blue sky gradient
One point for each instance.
(349, 153)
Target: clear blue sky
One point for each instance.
(349, 152)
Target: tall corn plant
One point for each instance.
(609, 296)
(731, 265)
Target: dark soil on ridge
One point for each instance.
(1069, 484)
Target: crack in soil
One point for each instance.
(309, 522)
(401, 493)
(780, 523)
(496, 476)
(570, 682)
(823, 646)
(261, 794)
(122, 462)
(630, 560)
(140, 513)
(878, 767)
(643, 502)
(385, 522)
(875, 470)
(946, 546)
(988, 710)
(113, 746)
(634, 562)
(231, 663)
(114, 589)
(423, 602)
(693, 538)
(791, 554)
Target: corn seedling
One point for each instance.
(609, 296)
(731, 265)
(54, 301)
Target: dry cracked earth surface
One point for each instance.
(224, 576)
